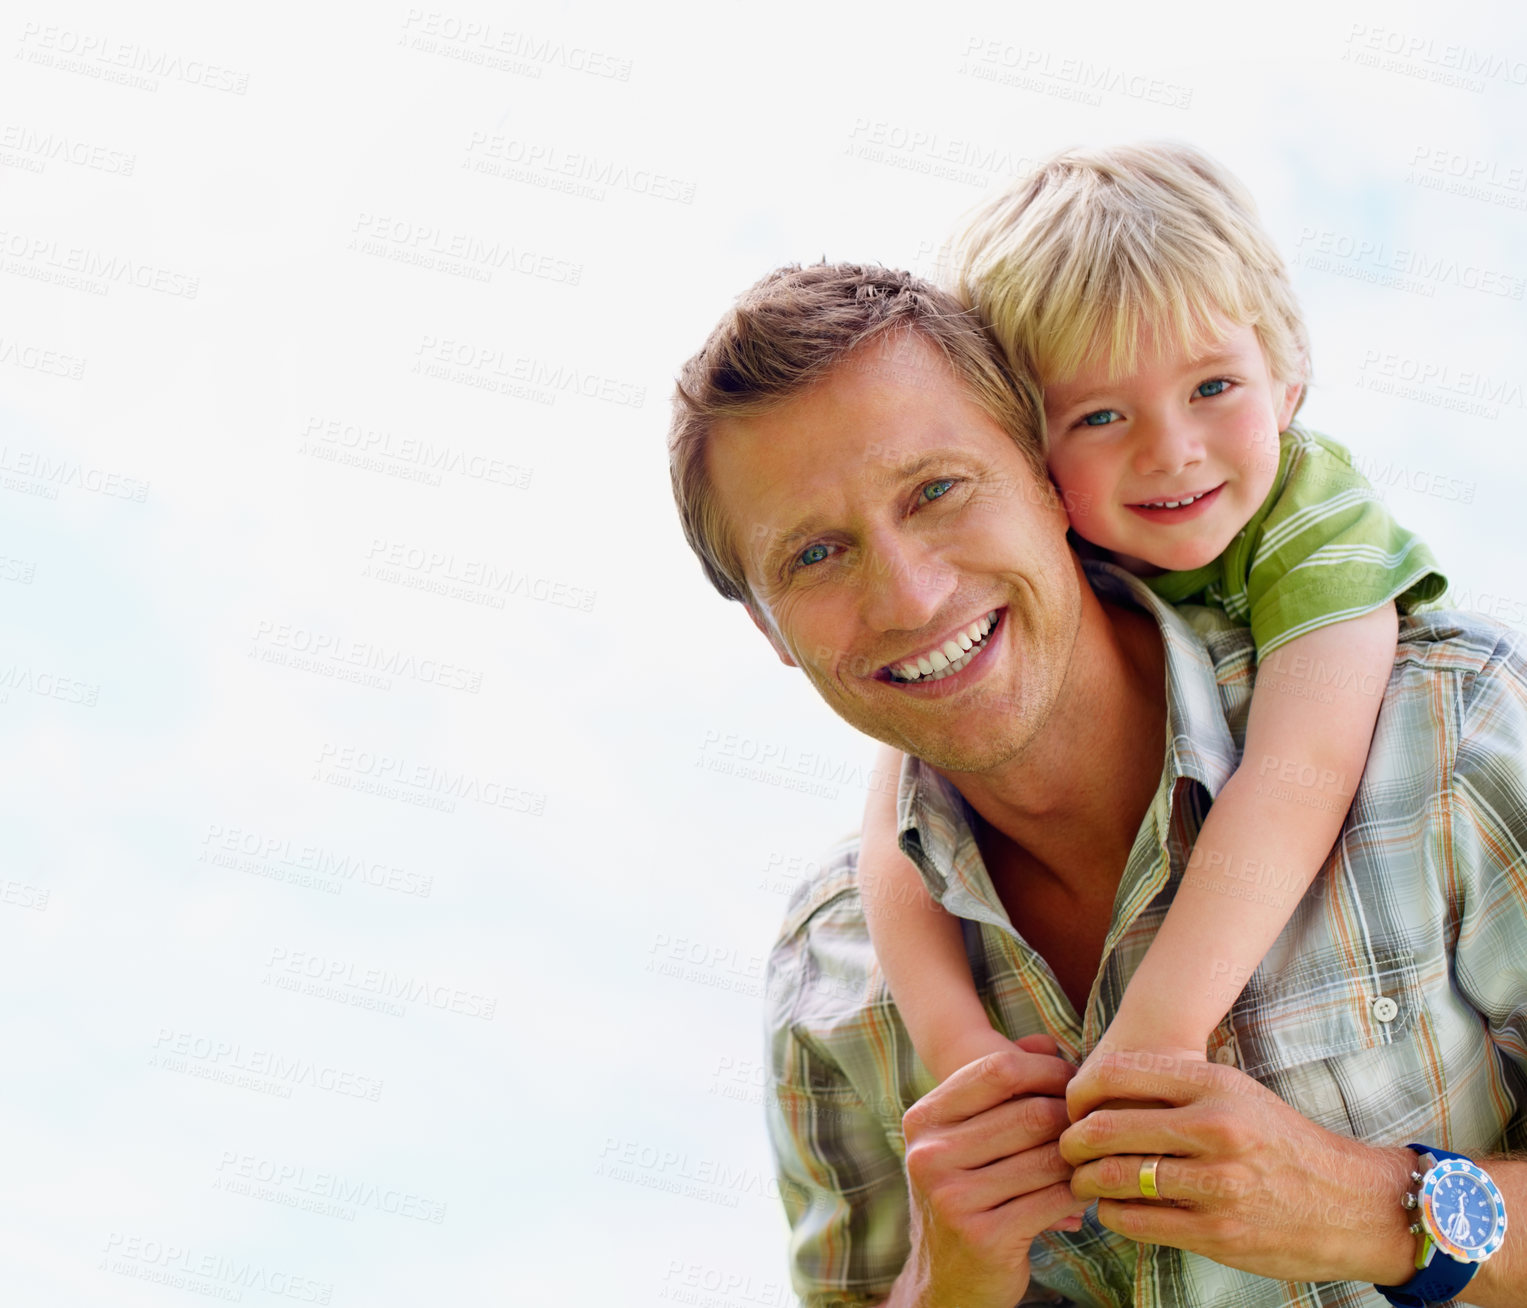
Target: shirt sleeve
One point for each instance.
(1485, 859)
(840, 1179)
(842, 1186)
(1326, 551)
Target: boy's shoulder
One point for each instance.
(1303, 445)
(1313, 468)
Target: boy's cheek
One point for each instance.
(1078, 505)
(1077, 497)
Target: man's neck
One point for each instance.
(1071, 804)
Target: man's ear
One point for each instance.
(772, 636)
(1291, 393)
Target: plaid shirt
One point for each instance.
(1392, 1008)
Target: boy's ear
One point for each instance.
(771, 636)
(1291, 393)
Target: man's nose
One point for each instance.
(1166, 445)
(905, 583)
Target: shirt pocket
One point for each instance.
(1336, 1038)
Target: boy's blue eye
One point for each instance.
(936, 488)
(1101, 418)
(811, 554)
(1214, 387)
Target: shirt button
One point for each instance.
(1385, 1009)
(1224, 1055)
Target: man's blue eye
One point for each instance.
(936, 488)
(812, 554)
(1101, 418)
(1214, 387)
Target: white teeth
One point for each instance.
(953, 655)
(1175, 504)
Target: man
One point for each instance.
(853, 462)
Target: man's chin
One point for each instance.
(991, 731)
(964, 759)
(960, 738)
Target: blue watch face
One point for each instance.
(1463, 1222)
(1463, 1211)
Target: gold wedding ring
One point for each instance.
(1148, 1177)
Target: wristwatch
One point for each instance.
(1461, 1221)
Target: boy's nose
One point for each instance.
(1166, 447)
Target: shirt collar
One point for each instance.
(935, 822)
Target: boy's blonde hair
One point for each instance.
(1095, 246)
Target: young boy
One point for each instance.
(1160, 320)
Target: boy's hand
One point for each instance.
(960, 1046)
(1086, 1092)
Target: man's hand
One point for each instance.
(1243, 1178)
(986, 1176)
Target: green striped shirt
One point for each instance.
(1423, 902)
(1321, 549)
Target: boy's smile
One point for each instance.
(1166, 465)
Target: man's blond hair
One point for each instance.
(1075, 261)
(788, 332)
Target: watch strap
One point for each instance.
(1443, 1277)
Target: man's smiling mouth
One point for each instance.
(945, 660)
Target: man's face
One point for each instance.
(902, 553)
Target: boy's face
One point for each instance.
(1163, 467)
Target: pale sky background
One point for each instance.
(317, 239)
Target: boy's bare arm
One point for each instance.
(920, 947)
(1271, 827)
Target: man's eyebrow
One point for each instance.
(952, 458)
(784, 540)
(924, 464)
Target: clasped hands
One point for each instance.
(994, 1159)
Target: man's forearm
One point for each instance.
(913, 1289)
(1502, 1281)
(918, 1287)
